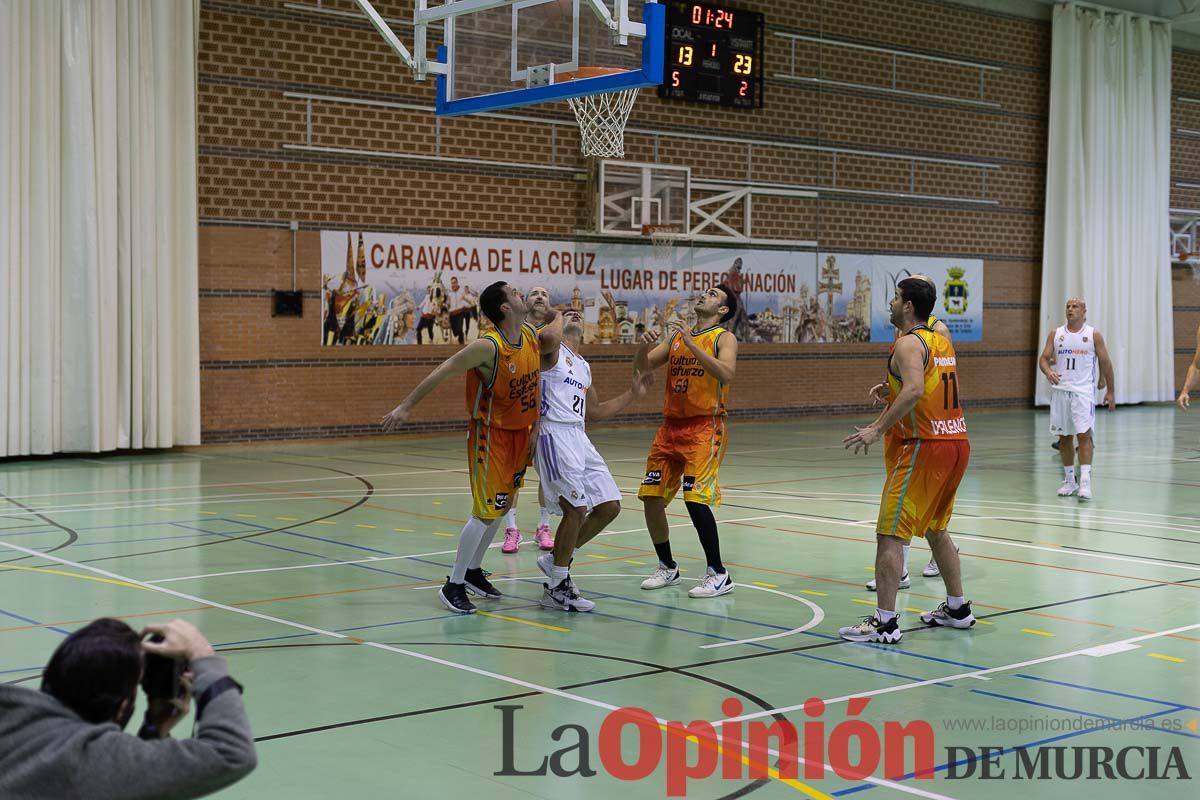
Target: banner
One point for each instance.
(394, 289)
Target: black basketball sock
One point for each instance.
(706, 527)
(664, 554)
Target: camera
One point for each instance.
(162, 677)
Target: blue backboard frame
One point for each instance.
(654, 17)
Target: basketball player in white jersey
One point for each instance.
(1074, 354)
(574, 478)
(879, 394)
(540, 310)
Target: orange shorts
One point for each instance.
(496, 459)
(686, 452)
(923, 477)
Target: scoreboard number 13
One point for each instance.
(713, 54)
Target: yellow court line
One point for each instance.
(984, 622)
(437, 502)
(765, 585)
(815, 794)
(74, 575)
(631, 561)
(440, 533)
(524, 622)
(810, 591)
(914, 610)
(207, 513)
(1036, 633)
(403, 530)
(869, 569)
(863, 602)
(165, 508)
(364, 526)
(289, 519)
(247, 516)
(593, 555)
(1166, 658)
(324, 522)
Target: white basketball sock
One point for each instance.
(1085, 471)
(544, 518)
(1069, 472)
(468, 542)
(510, 519)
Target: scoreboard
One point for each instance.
(713, 55)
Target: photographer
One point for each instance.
(67, 740)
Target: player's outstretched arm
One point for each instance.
(550, 336)
(597, 410)
(724, 365)
(909, 358)
(479, 353)
(1106, 372)
(1192, 381)
(651, 353)
(1046, 361)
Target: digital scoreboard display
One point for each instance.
(713, 55)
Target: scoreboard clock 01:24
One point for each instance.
(713, 55)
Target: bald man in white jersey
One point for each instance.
(573, 476)
(1073, 356)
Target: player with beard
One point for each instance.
(539, 312)
(503, 398)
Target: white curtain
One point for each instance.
(99, 315)
(1107, 184)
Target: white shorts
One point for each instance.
(1071, 413)
(569, 467)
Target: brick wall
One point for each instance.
(266, 377)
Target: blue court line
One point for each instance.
(48, 529)
(447, 615)
(1106, 691)
(1026, 701)
(233, 537)
(941, 767)
(29, 621)
(306, 536)
(21, 669)
(146, 539)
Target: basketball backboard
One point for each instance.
(497, 54)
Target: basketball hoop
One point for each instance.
(663, 238)
(601, 117)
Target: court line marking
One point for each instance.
(238, 483)
(547, 690)
(45, 571)
(1084, 651)
(1166, 658)
(416, 555)
(523, 621)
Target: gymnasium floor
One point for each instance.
(324, 557)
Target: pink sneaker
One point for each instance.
(544, 538)
(512, 540)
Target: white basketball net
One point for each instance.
(602, 119)
(663, 238)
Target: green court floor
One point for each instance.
(313, 567)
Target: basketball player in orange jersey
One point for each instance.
(537, 314)
(879, 394)
(689, 446)
(503, 399)
(1192, 381)
(926, 454)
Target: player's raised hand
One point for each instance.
(650, 337)
(641, 382)
(878, 393)
(680, 327)
(395, 418)
(861, 438)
